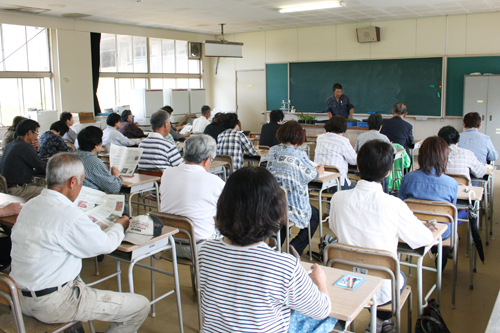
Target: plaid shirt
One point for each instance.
(233, 143)
(336, 150)
(460, 161)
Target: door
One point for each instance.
(476, 97)
(251, 99)
(493, 114)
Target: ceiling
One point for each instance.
(203, 16)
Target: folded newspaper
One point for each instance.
(104, 209)
(125, 159)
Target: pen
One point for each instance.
(354, 282)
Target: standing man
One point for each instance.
(397, 129)
(339, 104)
(49, 241)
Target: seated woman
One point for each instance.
(8, 137)
(332, 148)
(430, 183)
(51, 142)
(293, 170)
(129, 128)
(245, 285)
(234, 143)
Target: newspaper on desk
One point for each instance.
(104, 209)
(125, 159)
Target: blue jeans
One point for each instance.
(300, 323)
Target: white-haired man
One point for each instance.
(49, 240)
(190, 190)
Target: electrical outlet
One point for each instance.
(360, 270)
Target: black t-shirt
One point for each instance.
(214, 129)
(268, 134)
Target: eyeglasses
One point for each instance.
(212, 159)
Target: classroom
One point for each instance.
(451, 32)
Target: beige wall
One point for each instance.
(474, 34)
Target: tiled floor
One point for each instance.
(473, 307)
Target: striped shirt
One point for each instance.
(336, 150)
(460, 161)
(158, 153)
(253, 288)
(293, 170)
(97, 174)
(233, 143)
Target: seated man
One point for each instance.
(460, 161)
(97, 174)
(366, 216)
(70, 136)
(174, 131)
(20, 161)
(332, 148)
(51, 142)
(374, 125)
(112, 134)
(268, 131)
(199, 124)
(189, 190)
(478, 143)
(47, 252)
(159, 153)
(398, 130)
(233, 143)
(129, 128)
(215, 127)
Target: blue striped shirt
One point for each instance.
(253, 288)
(158, 153)
(293, 170)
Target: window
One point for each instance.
(127, 66)
(25, 76)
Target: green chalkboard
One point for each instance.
(276, 85)
(372, 85)
(457, 68)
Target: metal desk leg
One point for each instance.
(153, 306)
(454, 273)
(373, 315)
(439, 270)
(419, 285)
(157, 197)
(320, 209)
(176, 281)
(119, 276)
(310, 240)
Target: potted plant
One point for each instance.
(303, 118)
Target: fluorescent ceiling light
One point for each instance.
(313, 6)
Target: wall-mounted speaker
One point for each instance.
(369, 34)
(194, 50)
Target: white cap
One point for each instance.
(140, 230)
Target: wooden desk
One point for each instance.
(255, 158)
(346, 303)
(462, 195)
(139, 183)
(327, 180)
(9, 221)
(217, 167)
(132, 254)
(403, 248)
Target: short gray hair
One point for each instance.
(159, 118)
(400, 108)
(61, 167)
(198, 147)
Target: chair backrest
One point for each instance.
(225, 158)
(9, 295)
(379, 263)
(264, 147)
(152, 172)
(442, 211)
(254, 135)
(3, 185)
(461, 179)
(331, 168)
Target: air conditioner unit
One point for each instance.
(214, 48)
(369, 34)
(194, 50)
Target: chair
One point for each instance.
(228, 159)
(461, 179)
(263, 159)
(186, 232)
(14, 321)
(3, 185)
(443, 212)
(379, 263)
(288, 226)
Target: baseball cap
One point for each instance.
(142, 228)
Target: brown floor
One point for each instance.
(473, 307)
